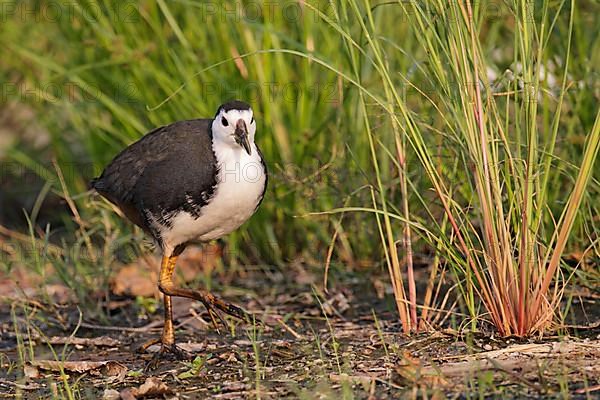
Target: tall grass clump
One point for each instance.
(503, 226)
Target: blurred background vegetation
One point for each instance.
(83, 79)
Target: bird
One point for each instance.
(190, 181)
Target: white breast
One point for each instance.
(240, 184)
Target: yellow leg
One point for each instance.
(166, 286)
(167, 339)
(166, 269)
(168, 336)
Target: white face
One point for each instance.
(225, 124)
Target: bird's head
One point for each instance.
(234, 125)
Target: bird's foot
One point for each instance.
(215, 305)
(167, 351)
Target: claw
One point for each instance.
(229, 309)
(213, 305)
(211, 314)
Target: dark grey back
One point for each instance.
(171, 168)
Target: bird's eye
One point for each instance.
(224, 121)
(252, 121)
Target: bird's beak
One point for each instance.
(241, 136)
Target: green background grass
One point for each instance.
(97, 75)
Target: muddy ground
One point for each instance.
(345, 343)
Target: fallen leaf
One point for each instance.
(128, 394)
(31, 372)
(137, 279)
(192, 347)
(22, 283)
(336, 304)
(111, 394)
(140, 277)
(97, 341)
(114, 368)
(61, 294)
(152, 387)
(110, 368)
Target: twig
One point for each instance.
(592, 325)
(588, 390)
(290, 330)
(33, 386)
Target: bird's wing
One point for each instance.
(264, 165)
(184, 182)
(167, 169)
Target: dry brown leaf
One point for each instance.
(31, 372)
(196, 260)
(61, 294)
(336, 304)
(110, 368)
(99, 341)
(140, 277)
(22, 282)
(137, 279)
(128, 394)
(152, 387)
(15, 286)
(192, 347)
(111, 394)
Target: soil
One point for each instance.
(344, 343)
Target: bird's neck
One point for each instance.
(227, 153)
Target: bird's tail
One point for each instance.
(95, 184)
